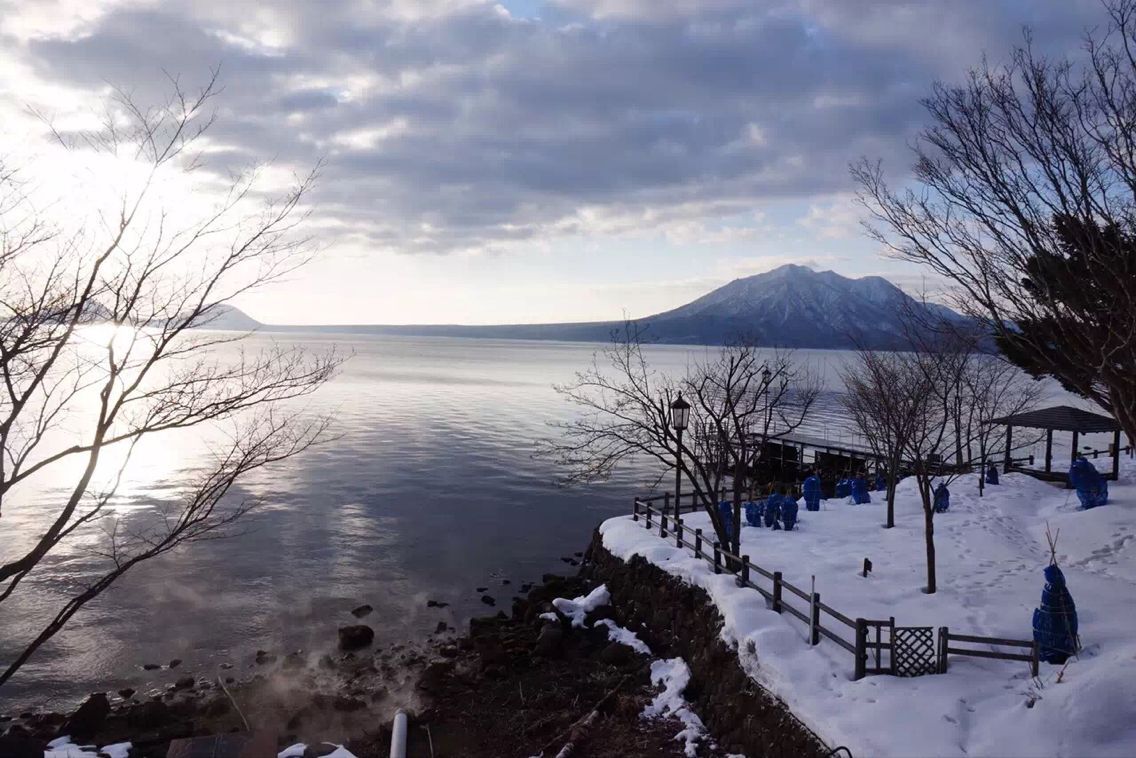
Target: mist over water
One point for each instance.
(429, 491)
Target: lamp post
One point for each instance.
(680, 417)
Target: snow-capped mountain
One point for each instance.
(794, 306)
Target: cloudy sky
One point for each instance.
(536, 160)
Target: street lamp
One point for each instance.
(680, 417)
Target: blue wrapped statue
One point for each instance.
(991, 474)
(811, 491)
(789, 511)
(860, 494)
(843, 487)
(726, 513)
(754, 512)
(881, 482)
(1055, 621)
(942, 498)
(773, 511)
(1092, 488)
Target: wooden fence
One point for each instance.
(877, 646)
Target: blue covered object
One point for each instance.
(789, 512)
(754, 512)
(1055, 622)
(942, 498)
(811, 491)
(881, 482)
(860, 491)
(991, 474)
(726, 513)
(1092, 488)
(844, 487)
(773, 511)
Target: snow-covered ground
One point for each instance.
(991, 553)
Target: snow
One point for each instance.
(990, 556)
(617, 633)
(339, 752)
(62, 747)
(117, 750)
(293, 751)
(674, 675)
(577, 609)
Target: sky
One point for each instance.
(534, 160)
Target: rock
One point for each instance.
(185, 683)
(264, 657)
(549, 641)
(226, 666)
(16, 746)
(151, 666)
(88, 719)
(601, 612)
(505, 581)
(436, 604)
(488, 600)
(126, 693)
(616, 654)
(441, 627)
(294, 660)
(482, 589)
(526, 587)
(578, 554)
(175, 663)
(355, 637)
(433, 675)
(361, 611)
(218, 706)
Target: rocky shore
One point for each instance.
(523, 683)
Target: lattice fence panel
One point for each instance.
(913, 651)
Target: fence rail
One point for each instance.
(871, 638)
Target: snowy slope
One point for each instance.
(990, 557)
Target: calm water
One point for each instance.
(429, 491)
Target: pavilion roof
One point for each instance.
(1061, 417)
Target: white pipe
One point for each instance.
(398, 735)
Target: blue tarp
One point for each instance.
(942, 499)
(1092, 488)
(726, 513)
(844, 487)
(860, 491)
(773, 511)
(754, 512)
(1055, 621)
(788, 511)
(991, 474)
(811, 491)
(881, 482)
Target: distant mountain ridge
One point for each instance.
(791, 306)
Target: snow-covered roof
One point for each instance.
(1061, 417)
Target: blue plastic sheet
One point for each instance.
(1055, 621)
(1092, 488)
(860, 494)
(726, 513)
(789, 512)
(942, 499)
(810, 489)
(754, 512)
(773, 511)
(991, 474)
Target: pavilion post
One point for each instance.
(1116, 455)
(1009, 449)
(1076, 441)
(1049, 449)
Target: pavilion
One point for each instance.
(1063, 418)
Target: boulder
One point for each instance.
(185, 683)
(126, 693)
(549, 641)
(355, 637)
(88, 719)
(361, 611)
(175, 663)
(488, 600)
(436, 604)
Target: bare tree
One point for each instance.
(77, 400)
(1025, 204)
(739, 399)
(884, 410)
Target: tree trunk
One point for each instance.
(890, 500)
(929, 533)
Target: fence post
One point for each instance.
(777, 591)
(698, 543)
(635, 509)
(678, 527)
(1035, 656)
(647, 522)
(861, 649)
(717, 558)
(944, 641)
(663, 517)
(814, 619)
(743, 577)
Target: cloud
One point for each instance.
(457, 126)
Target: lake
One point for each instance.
(428, 491)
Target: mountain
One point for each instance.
(227, 317)
(791, 306)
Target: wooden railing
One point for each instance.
(822, 620)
